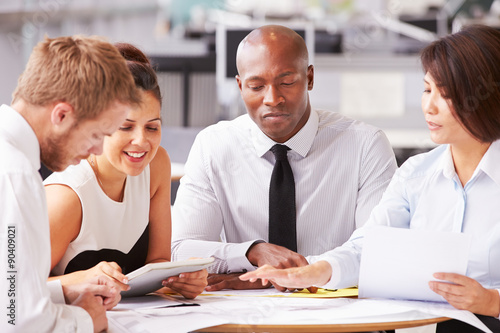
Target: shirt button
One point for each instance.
(244, 270)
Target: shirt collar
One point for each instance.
(20, 134)
(300, 143)
(490, 161)
(446, 165)
(488, 164)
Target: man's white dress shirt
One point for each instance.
(25, 238)
(426, 193)
(341, 168)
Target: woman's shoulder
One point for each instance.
(422, 164)
(73, 176)
(160, 163)
(160, 168)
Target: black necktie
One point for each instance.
(282, 213)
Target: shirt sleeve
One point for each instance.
(23, 219)
(197, 220)
(393, 210)
(377, 168)
(56, 292)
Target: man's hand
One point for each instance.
(95, 308)
(188, 285)
(465, 293)
(261, 254)
(231, 281)
(102, 286)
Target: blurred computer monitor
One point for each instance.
(471, 8)
(228, 38)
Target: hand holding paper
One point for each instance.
(465, 293)
(399, 263)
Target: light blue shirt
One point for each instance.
(426, 193)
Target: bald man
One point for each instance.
(340, 167)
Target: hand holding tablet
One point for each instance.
(149, 277)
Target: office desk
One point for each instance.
(265, 311)
(364, 327)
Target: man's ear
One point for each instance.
(238, 79)
(310, 77)
(62, 114)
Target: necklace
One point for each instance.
(93, 165)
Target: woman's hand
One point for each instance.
(465, 293)
(110, 269)
(102, 286)
(188, 285)
(316, 274)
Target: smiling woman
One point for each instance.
(110, 214)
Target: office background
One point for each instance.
(365, 52)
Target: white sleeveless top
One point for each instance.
(106, 224)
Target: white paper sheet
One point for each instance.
(150, 302)
(261, 307)
(280, 311)
(243, 293)
(133, 322)
(399, 263)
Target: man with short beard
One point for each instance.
(73, 92)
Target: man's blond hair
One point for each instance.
(86, 72)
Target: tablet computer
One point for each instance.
(148, 278)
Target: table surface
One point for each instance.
(270, 311)
(363, 327)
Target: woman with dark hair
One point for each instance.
(111, 213)
(455, 187)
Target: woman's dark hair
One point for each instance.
(140, 66)
(466, 69)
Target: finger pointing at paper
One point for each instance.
(316, 274)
